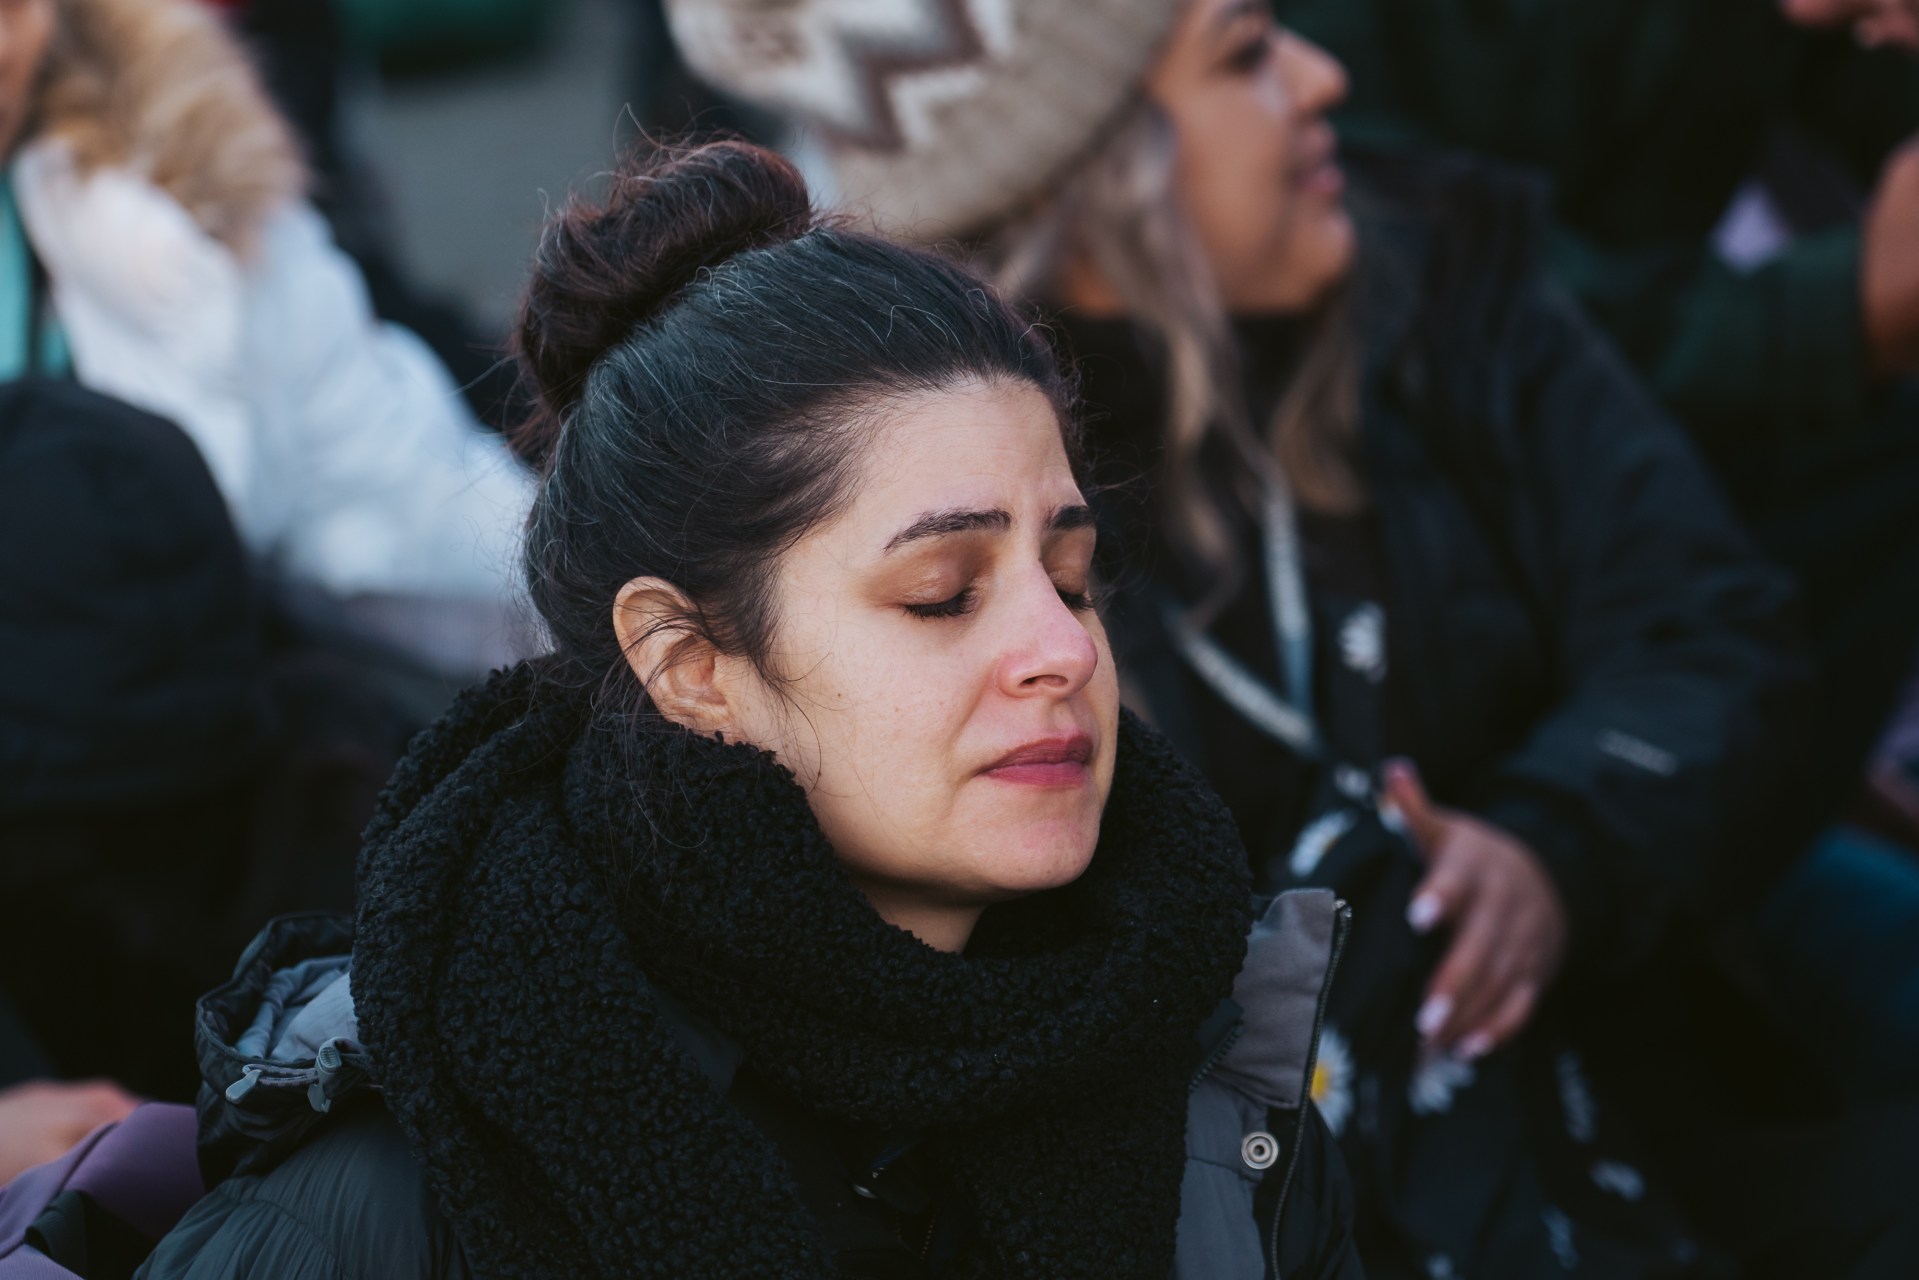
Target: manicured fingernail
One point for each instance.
(1433, 1015)
(1423, 912)
(1390, 816)
(1476, 1045)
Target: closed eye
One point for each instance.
(1078, 601)
(951, 607)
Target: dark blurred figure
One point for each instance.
(1780, 318)
(174, 767)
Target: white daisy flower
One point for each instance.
(1353, 783)
(1575, 1096)
(1622, 1180)
(1332, 1087)
(1436, 1078)
(1559, 1233)
(1321, 834)
(1362, 642)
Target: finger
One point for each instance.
(1458, 983)
(1480, 998)
(1442, 895)
(1406, 793)
(111, 1103)
(1896, 28)
(1511, 1019)
(1824, 13)
(94, 1102)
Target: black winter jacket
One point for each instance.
(312, 1179)
(1549, 609)
(1585, 649)
(175, 764)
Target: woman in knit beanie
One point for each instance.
(812, 910)
(1406, 562)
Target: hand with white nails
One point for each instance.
(1507, 923)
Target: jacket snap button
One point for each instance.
(1259, 1149)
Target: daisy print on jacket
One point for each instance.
(1436, 1078)
(1333, 1080)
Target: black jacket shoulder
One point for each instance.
(350, 1203)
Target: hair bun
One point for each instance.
(602, 269)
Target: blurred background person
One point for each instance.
(213, 631)
(175, 763)
(159, 249)
(1734, 195)
(1403, 555)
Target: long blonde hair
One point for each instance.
(1119, 207)
(163, 87)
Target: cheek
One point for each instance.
(877, 722)
(1236, 188)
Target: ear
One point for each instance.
(679, 667)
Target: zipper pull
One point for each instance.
(240, 1088)
(326, 1065)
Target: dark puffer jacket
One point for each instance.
(175, 764)
(313, 1180)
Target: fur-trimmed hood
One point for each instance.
(162, 88)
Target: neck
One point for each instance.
(943, 926)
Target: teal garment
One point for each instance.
(18, 304)
(1645, 118)
(1838, 940)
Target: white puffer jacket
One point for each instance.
(345, 452)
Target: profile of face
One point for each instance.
(941, 685)
(1256, 167)
(26, 29)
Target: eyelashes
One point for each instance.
(1078, 601)
(1251, 55)
(951, 607)
(963, 603)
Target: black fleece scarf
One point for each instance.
(534, 868)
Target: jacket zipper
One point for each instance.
(1342, 923)
(1220, 1050)
(932, 1224)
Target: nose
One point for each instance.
(1048, 651)
(1314, 77)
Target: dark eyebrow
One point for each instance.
(937, 524)
(1078, 516)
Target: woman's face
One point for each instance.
(1256, 166)
(947, 694)
(26, 28)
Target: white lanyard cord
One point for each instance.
(1290, 722)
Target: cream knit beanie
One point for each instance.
(940, 116)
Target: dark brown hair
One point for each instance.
(707, 357)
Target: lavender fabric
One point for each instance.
(144, 1170)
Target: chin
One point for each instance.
(1041, 856)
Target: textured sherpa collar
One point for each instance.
(536, 870)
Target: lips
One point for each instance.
(1317, 166)
(1053, 762)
